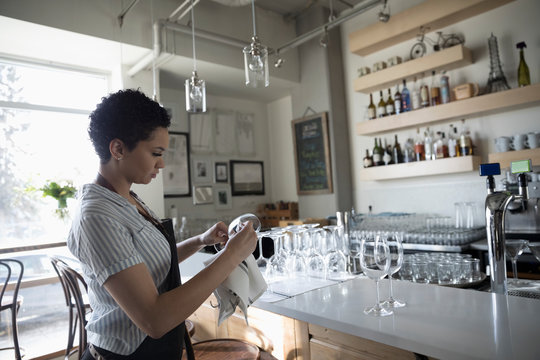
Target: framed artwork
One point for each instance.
(312, 155)
(201, 132)
(225, 135)
(222, 198)
(176, 117)
(245, 134)
(247, 177)
(176, 179)
(202, 172)
(221, 172)
(203, 195)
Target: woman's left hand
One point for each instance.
(216, 234)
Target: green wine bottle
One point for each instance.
(524, 78)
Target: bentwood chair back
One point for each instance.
(75, 291)
(14, 270)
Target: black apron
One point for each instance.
(169, 346)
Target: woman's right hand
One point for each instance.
(242, 244)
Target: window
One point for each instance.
(43, 121)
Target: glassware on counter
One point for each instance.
(514, 248)
(393, 240)
(375, 263)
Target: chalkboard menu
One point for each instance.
(312, 155)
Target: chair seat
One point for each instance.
(7, 300)
(224, 349)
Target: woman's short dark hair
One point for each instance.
(128, 115)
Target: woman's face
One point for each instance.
(142, 164)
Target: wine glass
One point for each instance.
(296, 264)
(535, 250)
(514, 248)
(236, 225)
(335, 259)
(375, 262)
(261, 260)
(276, 268)
(314, 259)
(394, 242)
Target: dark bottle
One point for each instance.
(377, 154)
(524, 78)
(405, 98)
(381, 106)
(397, 155)
(397, 101)
(419, 149)
(390, 110)
(368, 160)
(372, 111)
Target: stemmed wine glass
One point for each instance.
(276, 268)
(514, 248)
(395, 246)
(236, 224)
(335, 259)
(535, 250)
(261, 260)
(296, 264)
(375, 262)
(314, 259)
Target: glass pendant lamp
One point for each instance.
(195, 87)
(256, 59)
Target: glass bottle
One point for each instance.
(381, 106)
(428, 145)
(452, 142)
(523, 76)
(445, 145)
(415, 95)
(419, 149)
(465, 142)
(390, 104)
(435, 91)
(372, 112)
(397, 101)
(405, 98)
(424, 93)
(377, 154)
(445, 89)
(368, 160)
(438, 150)
(397, 155)
(387, 157)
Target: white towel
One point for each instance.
(243, 286)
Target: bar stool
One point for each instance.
(12, 302)
(223, 349)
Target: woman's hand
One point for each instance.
(216, 234)
(243, 243)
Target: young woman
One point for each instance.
(129, 259)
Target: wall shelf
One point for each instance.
(447, 59)
(480, 105)
(421, 168)
(405, 25)
(505, 158)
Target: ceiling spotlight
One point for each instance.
(384, 16)
(324, 38)
(279, 62)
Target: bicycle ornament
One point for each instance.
(443, 41)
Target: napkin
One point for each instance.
(243, 286)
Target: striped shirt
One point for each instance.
(108, 235)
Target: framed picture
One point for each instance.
(247, 177)
(312, 155)
(222, 198)
(221, 172)
(245, 134)
(176, 179)
(225, 134)
(202, 195)
(201, 131)
(202, 172)
(178, 120)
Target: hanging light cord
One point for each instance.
(253, 14)
(193, 37)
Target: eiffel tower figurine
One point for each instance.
(497, 80)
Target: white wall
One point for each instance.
(511, 23)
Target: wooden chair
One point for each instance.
(223, 349)
(14, 301)
(77, 302)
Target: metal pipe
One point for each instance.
(124, 13)
(204, 34)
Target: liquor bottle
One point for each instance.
(452, 142)
(396, 152)
(390, 104)
(465, 142)
(438, 147)
(523, 76)
(424, 93)
(445, 89)
(368, 160)
(445, 145)
(372, 112)
(381, 106)
(397, 101)
(415, 95)
(428, 144)
(435, 91)
(419, 148)
(377, 155)
(387, 157)
(405, 98)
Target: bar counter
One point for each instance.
(439, 322)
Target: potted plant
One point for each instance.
(60, 192)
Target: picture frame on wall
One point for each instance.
(221, 172)
(176, 174)
(203, 195)
(247, 177)
(202, 171)
(176, 119)
(222, 198)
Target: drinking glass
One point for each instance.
(296, 264)
(276, 268)
(314, 259)
(236, 224)
(514, 248)
(375, 262)
(535, 250)
(393, 240)
(261, 260)
(335, 259)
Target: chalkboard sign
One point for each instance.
(312, 155)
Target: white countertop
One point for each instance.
(442, 322)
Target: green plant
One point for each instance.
(61, 193)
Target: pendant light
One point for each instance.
(256, 59)
(195, 87)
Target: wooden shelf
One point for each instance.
(481, 105)
(421, 168)
(447, 59)
(405, 25)
(505, 158)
